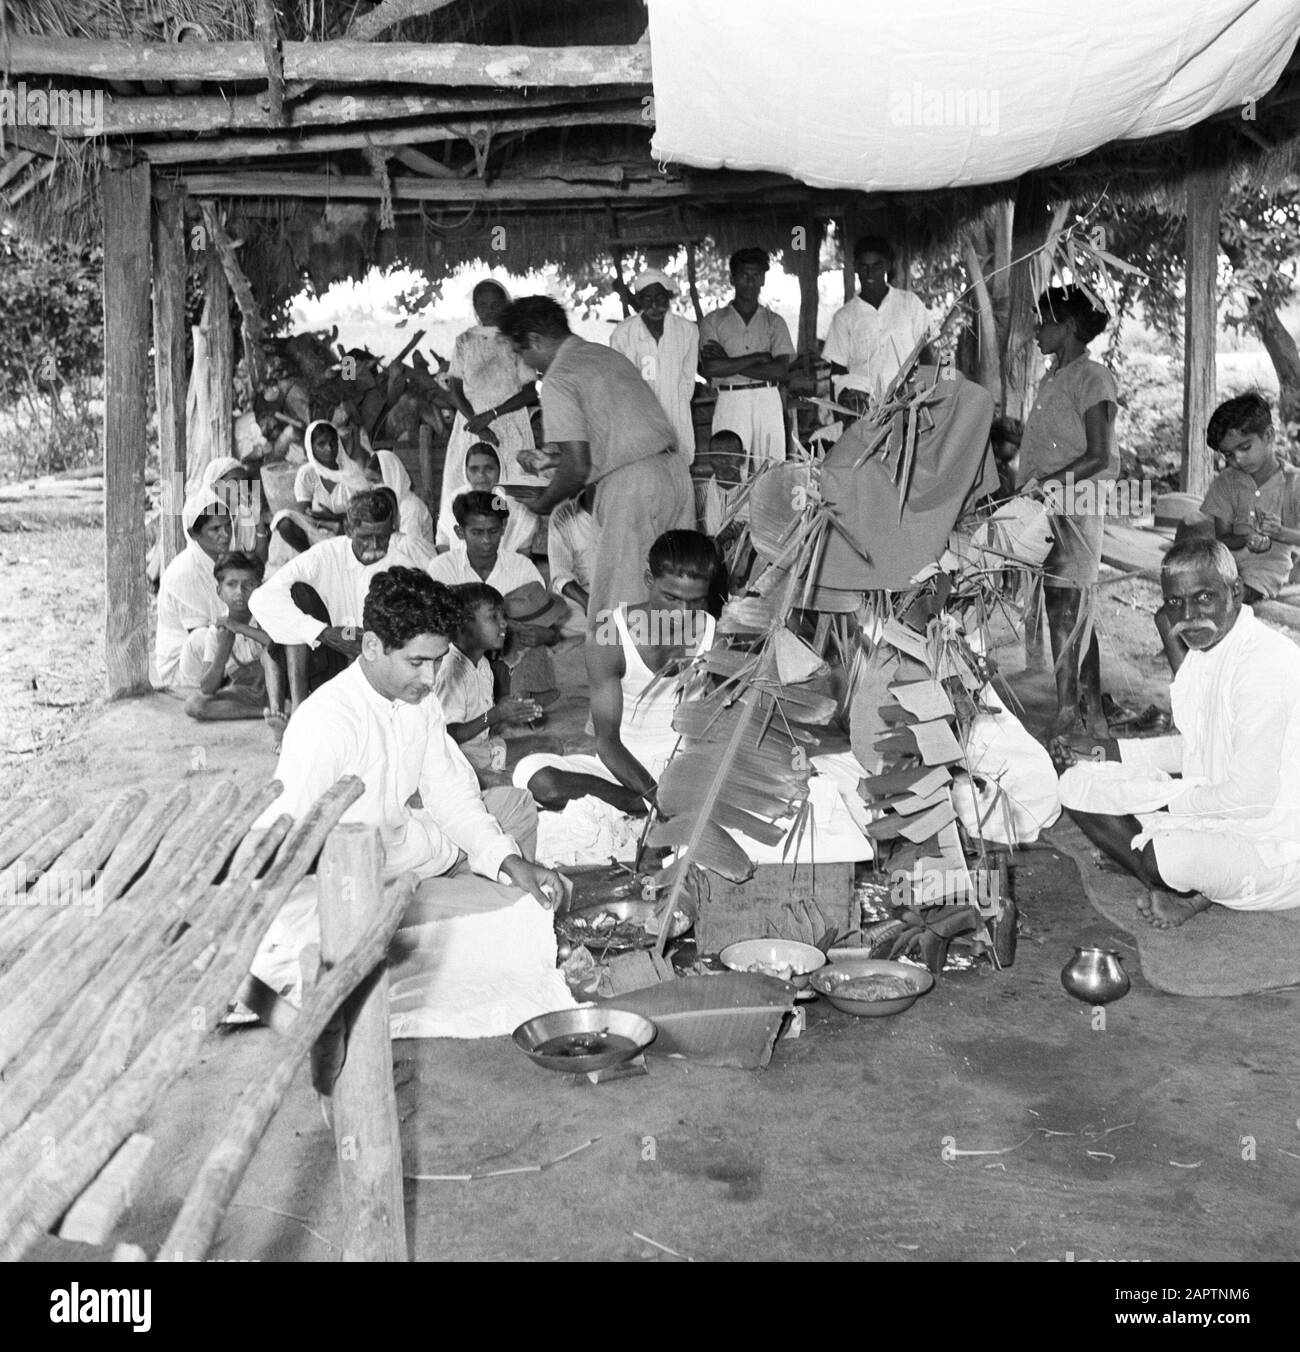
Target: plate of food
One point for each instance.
(782, 958)
(872, 987)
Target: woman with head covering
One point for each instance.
(493, 392)
(240, 487)
(188, 602)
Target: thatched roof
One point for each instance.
(517, 168)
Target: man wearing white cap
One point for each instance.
(665, 348)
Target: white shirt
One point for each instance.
(397, 749)
(510, 572)
(667, 366)
(570, 543)
(1237, 708)
(464, 689)
(872, 343)
(187, 600)
(338, 577)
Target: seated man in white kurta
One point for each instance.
(381, 721)
(1228, 830)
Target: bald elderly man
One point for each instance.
(1226, 831)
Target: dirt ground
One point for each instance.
(1122, 1142)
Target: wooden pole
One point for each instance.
(691, 282)
(452, 64)
(320, 143)
(410, 188)
(365, 1111)
(126, 351)
(221, 353)
(1204, 188)
(212, 1190)
(809, 269)
(169, 365)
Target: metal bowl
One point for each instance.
(838, 974)
(770, 957)
(590, 1037)
(634, 925)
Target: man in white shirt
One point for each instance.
(570, 546)
(477, 555)
(665, 348)
(872, 334)
(1228, 830)
(746, 351)
(311, 607)
(380, 721)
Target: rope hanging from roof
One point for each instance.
(378, 161)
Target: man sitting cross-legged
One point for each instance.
(464, 684)
(311, 608)
(629, 650)
(381, 721)
(240, 679)
(1227, 831)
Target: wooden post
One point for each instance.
(809, 268)
(169, 366)
(126, 377)
(1204, 187)
(365, 1111)
(430, 490)
(848, 233)
(221, 349)
(691, 282)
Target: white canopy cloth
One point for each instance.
(969, 91)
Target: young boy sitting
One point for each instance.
(464, 684)
(1255, 502)
(483, 470)
(240, 678)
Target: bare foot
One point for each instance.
(1167, 910)
(277, 721)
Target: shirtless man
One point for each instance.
(638, 647)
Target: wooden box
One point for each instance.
(734, 911)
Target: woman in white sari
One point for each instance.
(188, 602)
(332, 477)
(240, 487)
(493, 392)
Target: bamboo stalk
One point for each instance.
(181, 844)
(30, 825)
(221, 1173)
(208, 865)
(139, 843)
(42, 1194)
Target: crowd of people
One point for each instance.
(378, 639)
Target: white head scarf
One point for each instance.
(215, 469)
(346, 472)
(195, 506)
(505, 291)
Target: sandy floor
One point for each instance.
(835, 1151)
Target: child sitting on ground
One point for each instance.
(240, 678)
(464, 684)
(483, 470)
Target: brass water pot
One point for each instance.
(1094, 975)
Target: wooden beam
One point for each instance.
(253, 323)
(246, 147)
(365, 1111)
(268, 26)
(453, 64)
(125, 194)
(808, 268)
(422, 163)
(169, 365)
(335, 186)
(1204, 187)
(249, 112)
(221, 358)
(388, 14)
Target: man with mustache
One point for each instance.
(1228, 830)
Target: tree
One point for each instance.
(51, 313)
(1259, 236)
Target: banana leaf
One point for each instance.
(688, 774)
(707, 845)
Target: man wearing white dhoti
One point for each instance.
(1228, 830)
(665, 348)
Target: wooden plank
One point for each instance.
(126, 352)
(410, 189)
(91, 1218)
(221, 352)
(1204, 188)
(365, 1110)
(453, 64)
(169, 365)
(320, 143)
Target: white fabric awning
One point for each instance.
(871, 95)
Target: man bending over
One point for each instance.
(1228, 831)
(640, 646)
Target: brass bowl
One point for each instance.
(590, 1037)
(1094, 975)
(831, 980)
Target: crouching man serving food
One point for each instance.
(380, 720)
(1227, 830)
